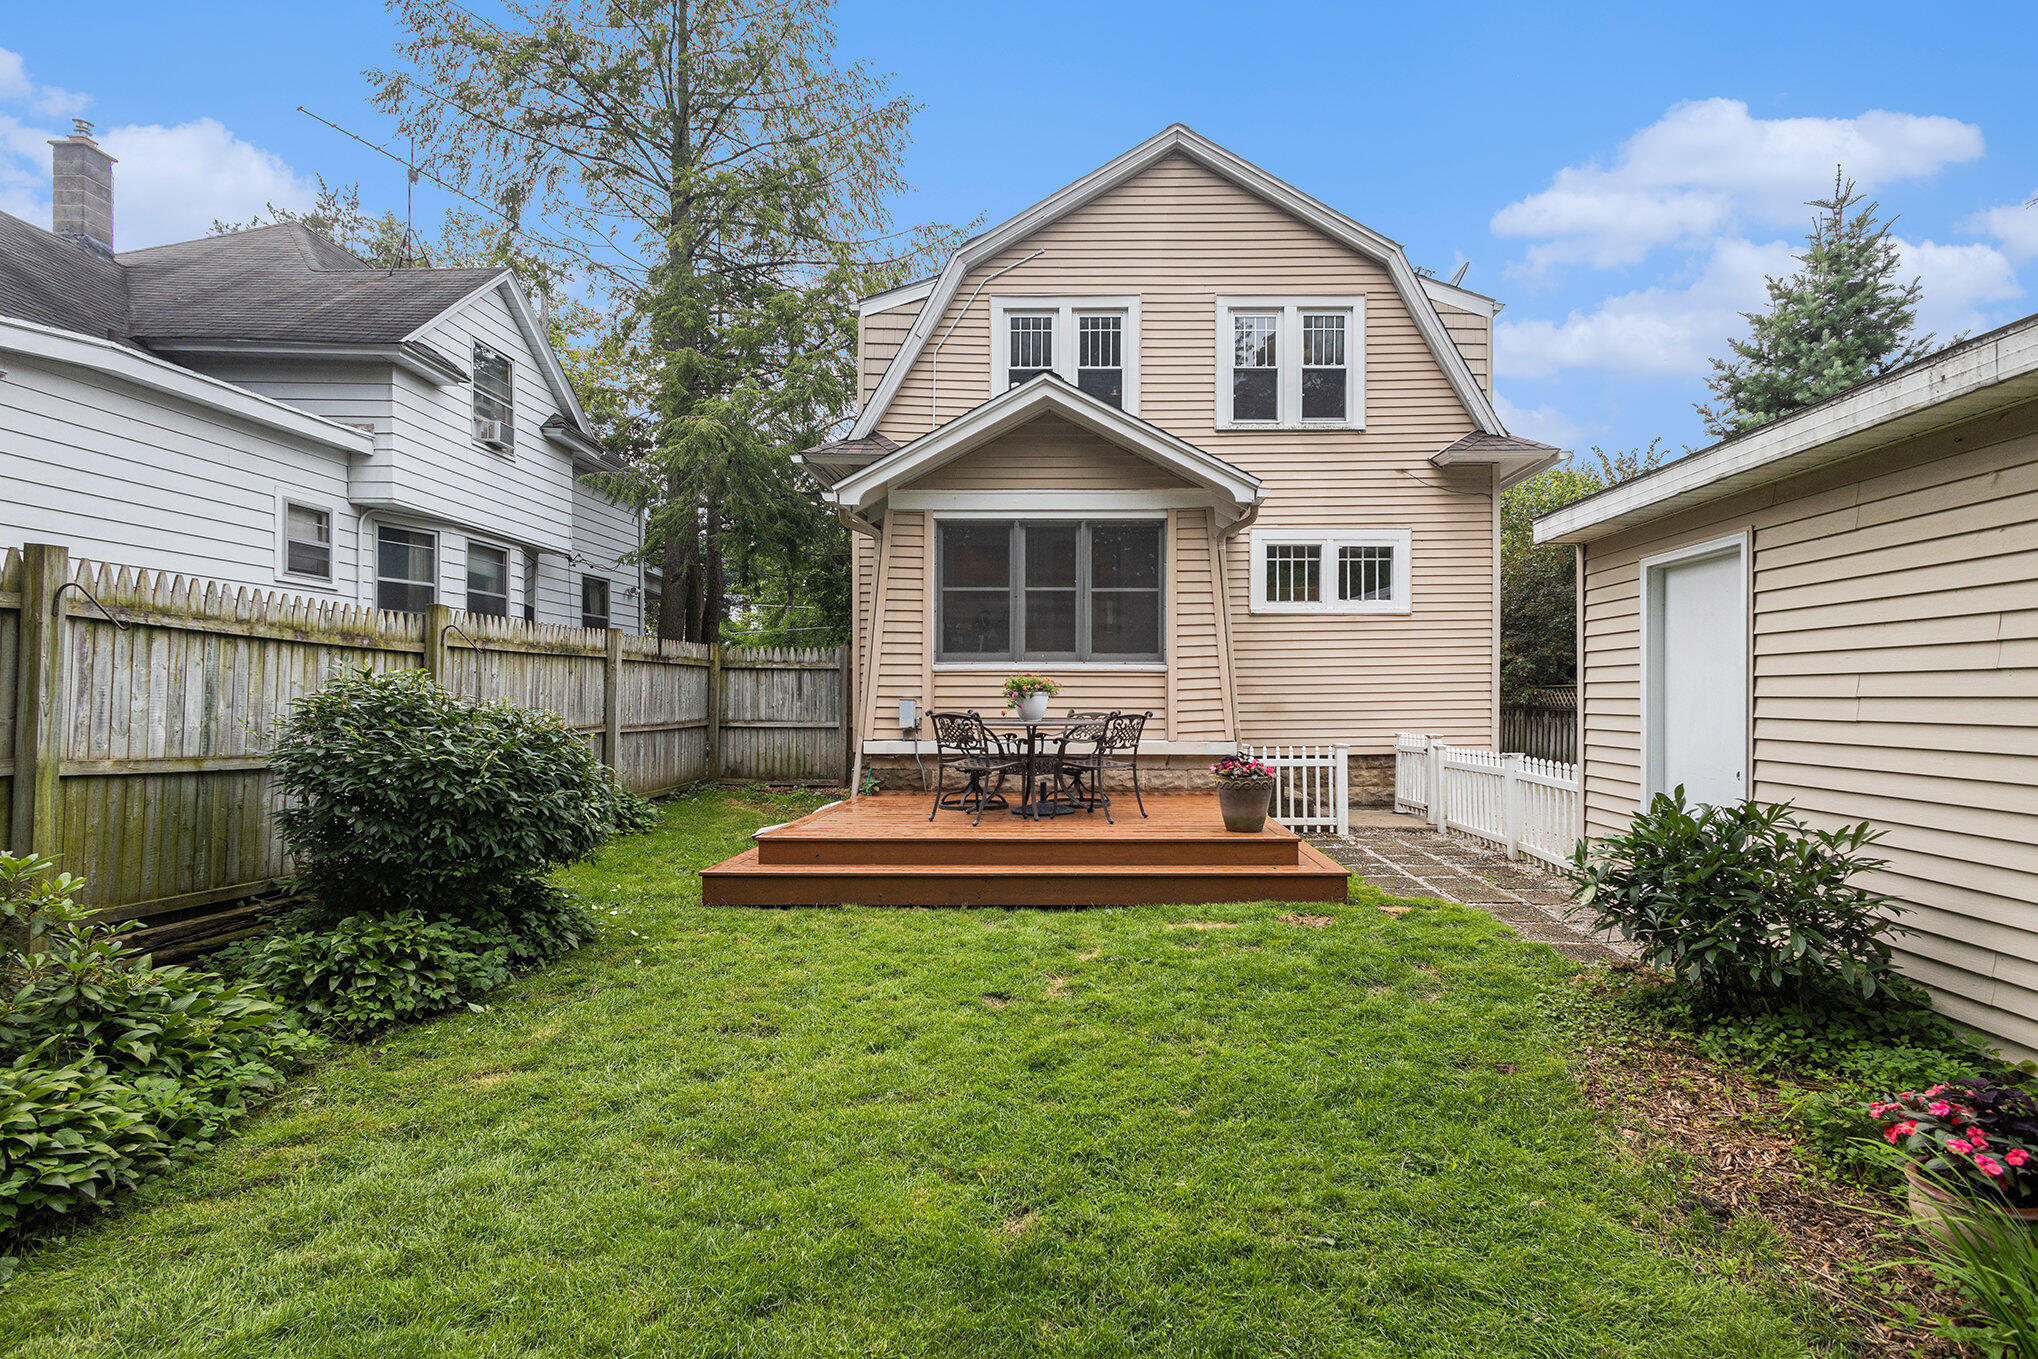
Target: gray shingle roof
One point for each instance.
(1499, 443)
(283, 282)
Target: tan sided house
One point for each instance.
(1194, 444)
(1839, 609)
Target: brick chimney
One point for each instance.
(81, 190)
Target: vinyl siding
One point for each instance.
(1473, 335)
(1049, 454)
(878, 338)
(1895, 669)
(1178, 236)
(605, 536)
(136, 478)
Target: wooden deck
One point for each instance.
(883, 851)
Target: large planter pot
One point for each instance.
(1032, 707)
(1942, 1213)
(1243, 803)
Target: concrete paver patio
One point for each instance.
(1404, 857)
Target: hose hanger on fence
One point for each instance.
(455, 627)
(79, 586)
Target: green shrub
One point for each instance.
(1754, 908)
(404, 798)
(367, 972)
(112, 1068)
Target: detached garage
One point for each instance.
(1840, 610)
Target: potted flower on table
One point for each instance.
(1973, 1152)
(1245, 789)
(1029, 694)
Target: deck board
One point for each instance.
(885, 851)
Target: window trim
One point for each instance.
(1288, 356)
(476, 392)
(438, 565)
(1327, 541)
(508, 579)
(286, 499)
(1015, 653)
(1065, 310)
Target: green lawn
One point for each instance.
(923, 1132)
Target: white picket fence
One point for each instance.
(1525, 805)
(1312, 786)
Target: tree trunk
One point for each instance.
(675, 559)
(714, 602)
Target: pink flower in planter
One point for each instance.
(1974, 1136)
(1958, 1145)
(2016, 1156)
(1938, 1108)
(1896, 1130)
(1987, 1165)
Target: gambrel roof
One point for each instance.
(1178, 139)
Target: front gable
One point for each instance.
(1176, 222)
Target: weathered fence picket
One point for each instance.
(137, 710)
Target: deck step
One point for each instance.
(989, 849)
(743, 881)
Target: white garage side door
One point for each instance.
(1695, 672)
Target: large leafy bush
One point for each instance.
(112, 1068)
(1750, 905)
(367, 972)
(403, 797)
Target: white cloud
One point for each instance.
(2014, 224)
(173, 182)
(1708, 167)
(1653, 332)
(17, 88)
(1545, 423)
(1958, 280)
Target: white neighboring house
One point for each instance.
(265, 409)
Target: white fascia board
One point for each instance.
(1248, 176)
(1014, 407)
(70, 349)
(402, 354)
(1464, 299)
(1966, 372)
(895, 297)
(1514, 467)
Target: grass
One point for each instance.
(923, 1132)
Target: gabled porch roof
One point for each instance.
(1234, 493)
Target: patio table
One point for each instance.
(1033, 731)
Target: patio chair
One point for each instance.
(1058, 776)
(964, 744)
(1082, 774)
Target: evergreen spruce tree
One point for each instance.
(1840, 319)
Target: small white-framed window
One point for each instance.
(307, 546)
(594, 601)
(1291, 362)
(488, 580)
(1090, 342)
(1330, 570)
(494, 400)
(406, 569)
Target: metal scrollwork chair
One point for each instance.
(963, 743)
(1115, 747)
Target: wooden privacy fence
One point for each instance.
(137, 710)
(1524, 804)
(1542, 723)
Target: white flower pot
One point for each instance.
(1033, 708)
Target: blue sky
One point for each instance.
(1621, 180)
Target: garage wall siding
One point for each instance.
(1895, 679)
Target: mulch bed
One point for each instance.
(1725, 1131)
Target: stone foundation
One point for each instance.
(1371, 779)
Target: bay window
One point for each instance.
(1049, 590)
(1089, 342)
(1290, 362)
(1330, 570)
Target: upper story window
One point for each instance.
(494, 400)
(1051, 589)
(1092, 342)
(406, 569)
(594, 601)
(487, 580)
(1330, 570)
(308, 542)
(1290, 362)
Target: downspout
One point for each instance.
(934, 367)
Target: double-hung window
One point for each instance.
(487, 580)
(406, 569)
(1330, 570)
(1291, 362)
(307, 542)
(1090, 342)
(494, 400)
(594, 601)
(1049, 589)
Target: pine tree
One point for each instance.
(1840, 319)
